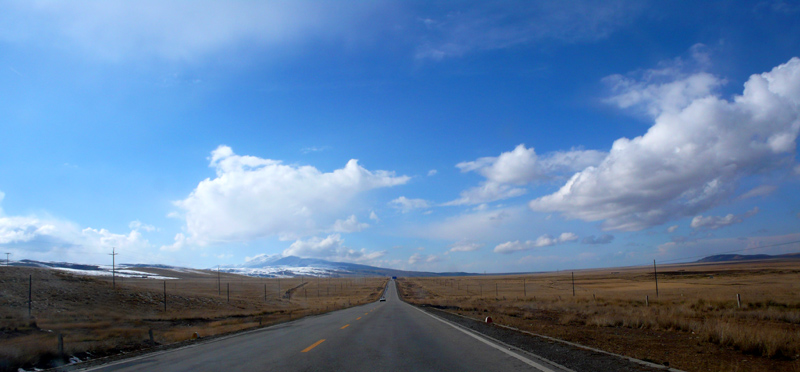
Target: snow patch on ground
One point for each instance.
(120, 273)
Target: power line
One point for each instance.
(113, 269)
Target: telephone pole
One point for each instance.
(7, 254)
(219, 283)
(113, 267)
(655, 275)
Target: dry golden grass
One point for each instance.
(94, 318)
(694, 300)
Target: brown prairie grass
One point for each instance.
(93, 317)
(695, 302)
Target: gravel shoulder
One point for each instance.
(575, 358)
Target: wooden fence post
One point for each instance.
(60, 345)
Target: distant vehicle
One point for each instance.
(383, 299)
(394, 277)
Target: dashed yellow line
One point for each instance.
(313, 346)
(345, 326)
(359, 318)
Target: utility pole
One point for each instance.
(573, 284)
(7, 254)
(113, 268)
(655, 275)
(219, 283)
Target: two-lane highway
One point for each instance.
(381, 336)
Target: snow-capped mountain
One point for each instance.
(291, 266)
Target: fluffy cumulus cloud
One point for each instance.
(715, 222)
(505, 173)
(252, 198)
(115, 30)
(668, 88)
(602, 239)
(330, 248)
(542, 241)
(691, 158)
(406, 205)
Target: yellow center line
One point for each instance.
(346, 325)
(366, 313)
(313, 346)
(359, 318)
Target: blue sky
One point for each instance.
(517, 136)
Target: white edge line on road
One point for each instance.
(631, 359)
(492, 344)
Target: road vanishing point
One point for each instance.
(380, 336)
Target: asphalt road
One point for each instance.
(381, 336)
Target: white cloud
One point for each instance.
(349, 225)
(422, 258)
(310, 149)
(542, 241)
(603, 239)
(691, 159)
(519, 167)
(762, 190)
(252, 198)
(374, 216)
(180, 242)
(115, 30)
(672, 229)
(49, 239)
(432, 172)
(668, 88)
(407, 205)
(330, 248)
(465, 246)
(715, 222)
(138, 225)
(522, 165)
(486, 192)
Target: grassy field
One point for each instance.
(695, 322)
(96, 320)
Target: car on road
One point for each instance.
(383, 299)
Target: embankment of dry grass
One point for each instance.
(95, 319)
(695, 323)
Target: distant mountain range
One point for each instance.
(747, 257)
(291, 266)
(275, 266)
